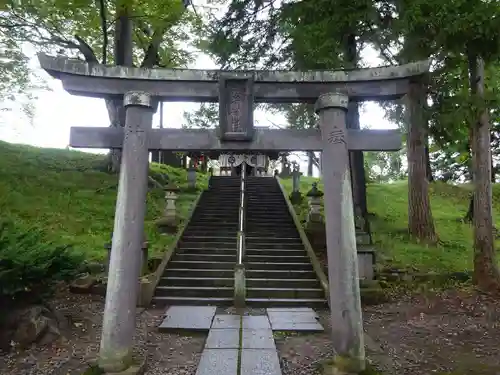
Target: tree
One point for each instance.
(471, 32)
(117, 32)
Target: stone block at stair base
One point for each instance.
(194, 318)
(223, 339)
(258, 339)
(218, 362)
(294, 319)
(260, 362)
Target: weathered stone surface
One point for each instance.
(264, 139)
(223, 339)
(188, 317)
(293, 316)
(258, 339)
(226, 322)
(256, 322)
(57, 65)
(218, 362)
(283, 325)
(37, 324)
(260, 362)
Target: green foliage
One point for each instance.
(65, 194)
(29, 263)
(388, 205)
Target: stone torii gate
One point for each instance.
(236, 91)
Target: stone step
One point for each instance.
(276, 258)
(278, 266)
(280, 240)
(198, 272)
(277, 252)
(274, 245)
(309, 293)
(208, 257)
(195, 291)
(214, 239)
(268, 220)
(201, 250)
(260, 232)
(216, 215)
(195, 281)
(201, 265)
(280, 274)
(286, 302)
(192, 301)
(207, 245)
(282, 283)
(211, 232)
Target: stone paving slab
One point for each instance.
(226, 322)
(260, 362)
(223, 339)
(291, 326)
(294, 319)
(256, 322)
(218, 362)
(258, 339)
(290, 309)
(197, 318)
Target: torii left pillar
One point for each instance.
(119, 319)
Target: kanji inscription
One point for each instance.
(236, 108)
(336, 136)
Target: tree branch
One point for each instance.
(151, 55)
(104, 28)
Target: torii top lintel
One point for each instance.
(270, 86)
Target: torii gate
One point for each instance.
(236, 91)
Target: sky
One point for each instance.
(56, 111)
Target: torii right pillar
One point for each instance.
(345, 301)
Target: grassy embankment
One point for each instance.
(64, 193)
(389, 205)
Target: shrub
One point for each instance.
(29, 264)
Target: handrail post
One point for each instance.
(239, 272)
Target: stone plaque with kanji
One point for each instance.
(236, 108)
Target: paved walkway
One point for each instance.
(240, 344)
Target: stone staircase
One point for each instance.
(278, 269)
(201, 272)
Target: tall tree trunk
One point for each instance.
(486, 273)
(123, 56)
(356, 158)
(428, 167)
(310, 163)
(420, 221)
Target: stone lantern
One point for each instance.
(314, 199)
(170, 220)
(191, 176)
(296, 196)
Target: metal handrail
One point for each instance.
(241, 220)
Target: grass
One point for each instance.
(66, 194)
(389, 205)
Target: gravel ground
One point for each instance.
(453, 331)
(167, 353)
(450, 332)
